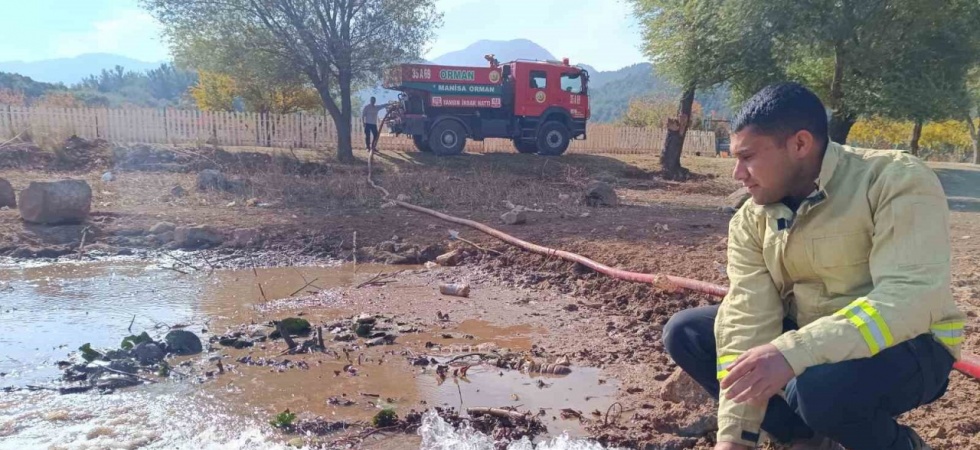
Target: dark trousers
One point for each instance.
(853, 402)
(369, 130)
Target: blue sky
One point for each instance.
(596, 32)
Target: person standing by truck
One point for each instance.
(369, 117)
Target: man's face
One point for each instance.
(765, 165)
(372, 101)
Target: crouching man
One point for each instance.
(840, 315)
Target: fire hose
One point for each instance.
(968, 364)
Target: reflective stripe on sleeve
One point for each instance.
(869, 323)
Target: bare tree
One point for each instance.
(336, 44)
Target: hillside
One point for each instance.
(69, 71)
(502, 50)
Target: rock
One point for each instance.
(297, 442)
(116, 381)
(196, 237)
(258, 332)
(56, 202)
(7, 196)
(600, 194)
(177, 191)
(698, 426)
(383, 340)
(456, 289)
(148, 353)
(366, 318)
(183, 342)
(107, 177)
(166, 238)
(211, 180)
(681, 388)
(295, 326)
(514, 217)
(245, 237)
(252, 202)
(403, 198)
(124, 365)
(162, 227)
(571, 307)
(117, 354)
(450, 259)
(235, 342)
(736, 199)
(343, 337)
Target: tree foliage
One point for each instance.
(334, 44)
(653, 111)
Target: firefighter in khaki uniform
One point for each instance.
(840, 315)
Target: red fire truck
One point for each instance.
(539, 105)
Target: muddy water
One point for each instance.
(47, 311)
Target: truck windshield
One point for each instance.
(571, 82)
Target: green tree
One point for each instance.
(868, 57)
(698, 44)
(335, 44)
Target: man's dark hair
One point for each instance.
(782, 109)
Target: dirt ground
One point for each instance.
(313, 207)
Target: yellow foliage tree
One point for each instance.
(58, 100)
(12, 97)
(654, 112)
(214, 92)
(948, 139)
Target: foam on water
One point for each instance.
(439, 435)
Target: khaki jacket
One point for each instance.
(863, 265)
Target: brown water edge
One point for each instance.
(227, 298)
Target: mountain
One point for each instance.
(69, 71)
(502, 50)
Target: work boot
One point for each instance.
(817, 442)
(917, 442)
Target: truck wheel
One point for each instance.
(553, 138)
(526, 147)
(420, 143)
(447, 138)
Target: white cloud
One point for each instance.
(129, 32)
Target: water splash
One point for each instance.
(437, 434)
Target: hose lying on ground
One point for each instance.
(968, 364)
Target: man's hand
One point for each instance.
(757, 375)
(730, 446)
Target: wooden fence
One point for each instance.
(173, 126)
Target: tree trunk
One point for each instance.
(670, 159)
(840, 126)
(840, 120)
(916, 134)
(975, 137)
(345, 152)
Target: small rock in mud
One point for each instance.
(450, 259)
(178, 191)
(148, 353)
(124, 365)
(235, 342)
(197, 237)
(455, 289)
(420, 361)
(515, 217)
(295, 326)
(383, 340)
(344, 337)
(340, 401)
(258, 333)
(162, 227)
(600, 194)
(681, 388)
(366, 318)
(571, 307)
(183, 342)
(116, 381)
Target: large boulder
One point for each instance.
(196, 237)
(7, 196)
(56, 202)
(600, 194)
(736, 199)
(182, 342)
